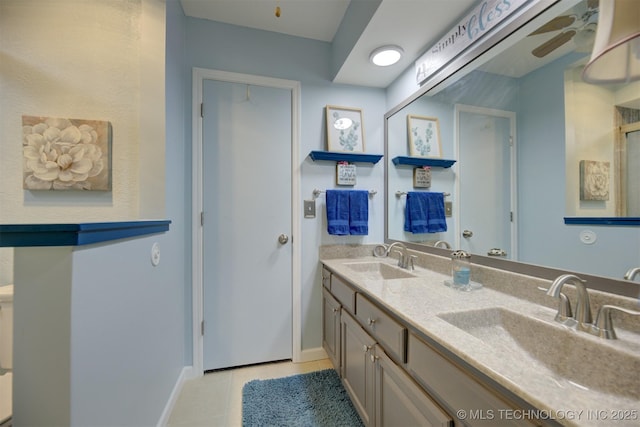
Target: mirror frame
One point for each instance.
(450, 70)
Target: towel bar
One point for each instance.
(316, 193)
(404, 193)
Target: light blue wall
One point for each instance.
(178, 160)
(219, 46)
(127, 331)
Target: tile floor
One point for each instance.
(215, 399)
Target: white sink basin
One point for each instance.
(379, 270)
(570, 358)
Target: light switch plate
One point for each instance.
(448, 208)
(309, 208)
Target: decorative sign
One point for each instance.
(422, 177)
(480, 21)
(345, 174)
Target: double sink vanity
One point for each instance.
(412, 351)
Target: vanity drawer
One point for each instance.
(391, 334)
(343, 293)
(457, 389)
(326, 278)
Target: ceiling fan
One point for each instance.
(571, 25)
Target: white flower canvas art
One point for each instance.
(594, 180)
(66, 154)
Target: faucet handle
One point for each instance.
(400, 258)
(411, 265)
(603, 326)
(564, 307)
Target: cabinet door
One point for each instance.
(358, 367)
(399, 401)
(331, 328)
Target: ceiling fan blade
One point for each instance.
(546, 48)
(556, 24)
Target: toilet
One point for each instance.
(6, 327)
(6, 353)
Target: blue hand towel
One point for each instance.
(415, 213)
(358, 212)
(436, 221)
(337, 212)
(424, 212)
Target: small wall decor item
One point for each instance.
(422, 177)
(345, 173)
(594, 180)
(424, 136)
(66, 154)
(344, 129)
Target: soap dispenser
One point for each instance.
(461, 269)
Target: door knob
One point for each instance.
(283, 239)
(467, 233)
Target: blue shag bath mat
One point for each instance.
(313, 399)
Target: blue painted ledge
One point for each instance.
(20, 235)
(345, 157)
(625, 221)
(423, 161)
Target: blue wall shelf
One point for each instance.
(422, 161)
(623, 221)
(345, 157)
(22, 235)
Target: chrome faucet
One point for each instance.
(404, 259)
(583, 306)
(632, 273)
(604, 324)
(442, 244)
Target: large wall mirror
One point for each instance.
(533, 144)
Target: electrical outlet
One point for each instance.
(309, 208)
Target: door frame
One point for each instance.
(197, 282)
(462, 108)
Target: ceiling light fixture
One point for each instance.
(386, 55)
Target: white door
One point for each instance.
(486, 181)
(247, 274)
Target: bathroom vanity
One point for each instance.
(412, 351)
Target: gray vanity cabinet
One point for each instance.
(381, 391)
(331, 328)
(460, 392)
(358, 367)
(399, 401)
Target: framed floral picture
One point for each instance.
(344, 129)
(424, 136)
(66, 154)
(594, 180)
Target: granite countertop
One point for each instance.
(593, 398)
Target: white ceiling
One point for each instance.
(413, 25)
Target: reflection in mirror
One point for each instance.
(519, 123)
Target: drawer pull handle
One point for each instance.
(335, 310)
(371, 321)
(374, 358)
(366, 348)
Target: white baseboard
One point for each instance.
(185, 374)
(312, 354)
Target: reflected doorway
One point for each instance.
(486, 182)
